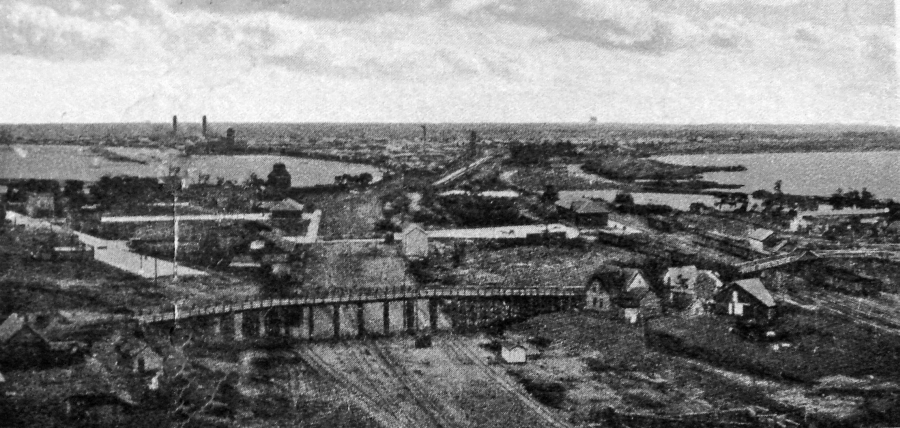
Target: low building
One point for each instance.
(40, 204)
(761, 239)
(512, 353)
(287, 208)
(415, 242)
(746, 298)
(244, 261)
(586, 213)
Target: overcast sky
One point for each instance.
(659, 61)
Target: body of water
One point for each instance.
(80, 163)
(816, 173)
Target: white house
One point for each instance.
(513, 353)
(415, 241)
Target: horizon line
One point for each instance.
(180, 122)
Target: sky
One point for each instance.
(631, 61)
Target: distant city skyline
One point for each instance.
(443, 61)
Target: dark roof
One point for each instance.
(589, 207)
(615, 281)
(755, 288)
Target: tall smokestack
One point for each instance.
(174, 124)
(204, 125)
(424, 133)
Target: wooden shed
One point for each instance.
(415, 242)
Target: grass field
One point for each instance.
(821, 345)
(355, 266)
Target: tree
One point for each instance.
(624, 199)
(550, 194)
(837, 199)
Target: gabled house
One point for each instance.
(622, 291)
(414, 242)
(746, 298)
(16, 333)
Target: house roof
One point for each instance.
(589, 206)
(11, 326)
(756, 289)
(287, 204)
(412, 227)
(760, 234)
(618, 282)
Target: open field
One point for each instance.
(602, 363)
(355, 266)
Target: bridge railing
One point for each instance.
(313, 297)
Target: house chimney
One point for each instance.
(204, 125)
(174, 124)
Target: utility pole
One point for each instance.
(175, 221)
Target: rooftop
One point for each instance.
(756, 289)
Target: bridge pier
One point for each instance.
(348, 322)
(373, 319)
(261, 324)
(238, 319)
(395, 317)
(322, 322)
(217, 327)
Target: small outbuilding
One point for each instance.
(761, 239)
(512, 353)
(746, 298)
(588, 213)
(415, 242)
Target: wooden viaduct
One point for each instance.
(803, 256)
(368, 312)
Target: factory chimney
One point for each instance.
(424, 133)
(204, 125)
(174, 124)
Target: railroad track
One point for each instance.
(374, 406)
(424, 400)
(878, 318)
(463, 353)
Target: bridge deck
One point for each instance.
(376, 296)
